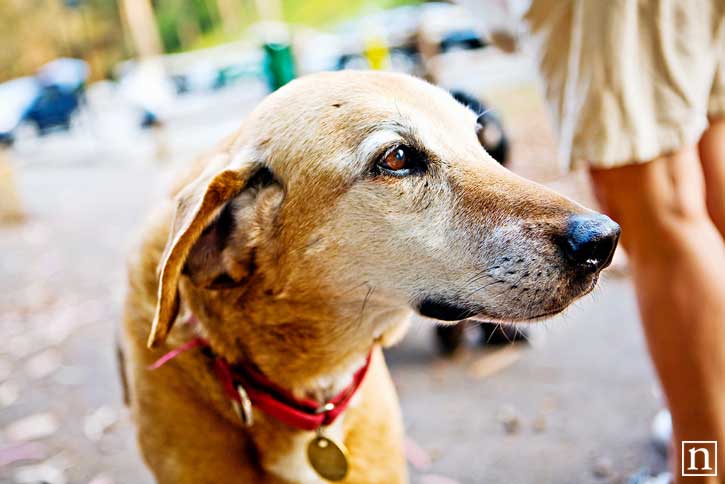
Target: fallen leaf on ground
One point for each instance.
(437, 479)
(96, 424)
(9, 392)
(20, 452)
(33, 427)
(494, 361)
(19, 346)
(43, 364)
(603, 467)
(6, 368)
(549, 404)
(540, 424)
(416, 455)
(509, 418)
(46, 473)
(101, 479)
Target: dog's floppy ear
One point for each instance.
(198, 205)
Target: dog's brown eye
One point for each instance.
(400, 161)
(396, 160)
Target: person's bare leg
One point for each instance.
(712, 155)
(677, 258)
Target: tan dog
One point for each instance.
(344, 203)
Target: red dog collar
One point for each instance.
(246, 387)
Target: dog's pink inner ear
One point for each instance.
(221, 258)
(223, 255)
(199, 206)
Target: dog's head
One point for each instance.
(355, 188)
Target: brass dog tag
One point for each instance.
(327, 458)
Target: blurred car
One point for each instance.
(61, 90)
(48, 100)
(443, 28)
(412, 34)
(395, 29)
(162, 87)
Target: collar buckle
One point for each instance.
(328, 407)
(243, 406)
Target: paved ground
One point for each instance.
(573, 408)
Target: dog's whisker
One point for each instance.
(490, 336)
(348, 291)
(365, 301)
(497, 281)
(475, 277)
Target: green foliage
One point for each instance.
(319, 13)
(181, 22)
(313, 13)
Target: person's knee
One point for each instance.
(679, 212)
(658, 202)
(668, 234)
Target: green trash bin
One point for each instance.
(279, 64)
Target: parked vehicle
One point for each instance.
(46, 101)
(61, 92)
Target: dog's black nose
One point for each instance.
(590, 241)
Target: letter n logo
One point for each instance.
(699, 458)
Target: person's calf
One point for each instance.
(676, 255)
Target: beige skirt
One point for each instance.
(629, 80)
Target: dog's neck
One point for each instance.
(310, 357)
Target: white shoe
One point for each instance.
(662, 431)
